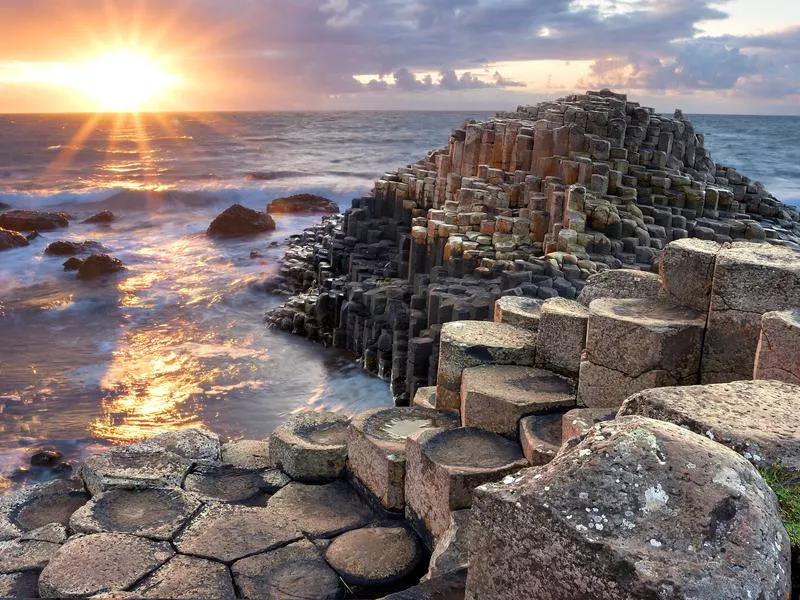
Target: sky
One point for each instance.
(736, 56)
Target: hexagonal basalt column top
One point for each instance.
(311, 446)
(518, 311)
(376, 447)
(38, 505)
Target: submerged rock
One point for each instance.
(105, 216)
(239, 221)
(98, 265)
(72, 264)
(67, 248)
(11, 239)
(302, 203)
(32, 220)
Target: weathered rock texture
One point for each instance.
(311, 446)
(778, 352)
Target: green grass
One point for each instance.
(786, 486)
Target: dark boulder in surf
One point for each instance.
(32, 220)
(302, 203)
(66, 248)
(72, 264)
(98, 265)
(240, 221)
(103, 217)
(4, 206)
(11, 239)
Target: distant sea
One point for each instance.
(178, 339)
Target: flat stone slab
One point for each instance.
(34, 506)
(311, 446)
(226, 483)
(758, 419)
(375, 557)
(192, 443)
(518, 311)
(496, 397)
(443, 468)
(188, 577)
(246, 454)
(228, 532)
(101, 562)
(376, 447)
(25, 555)
(540, 437)
(153, 513)
(321, 511)
(134, 467)
(294, 571)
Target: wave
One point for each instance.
(273, 175)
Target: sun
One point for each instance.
(123, 81)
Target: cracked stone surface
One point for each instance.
(34, 506)
(228, 532)
(620, 283)
(231, 484)
(188, 577)
(101, 562)
(294, 571)
(153, 513)
(321, 511)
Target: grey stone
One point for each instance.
(687, 270)
(639, 509)
(496, 397)
(451, 552)
(228, 532)
(578, 421)
(25, 555)
(101, 562)
(321, 511)
(227, 483)
(540, 437)
(620, 283)
(601, 387)
(153, 513)
(55, 533)
(192, 443)
(449, 586)
(294, 572)
(311, 446)
(186, 578)
(518, 311)
(34, 506)
(778, 351)
(246, 454)
(562, 336)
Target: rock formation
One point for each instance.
(237, 220)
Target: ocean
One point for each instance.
(178, 338)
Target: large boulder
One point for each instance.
(11, 239)
(32, 220)
(99, 265)
(240, 221)
(639, 509)
(302, 203)
(103, 217)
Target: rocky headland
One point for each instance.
(591, 331)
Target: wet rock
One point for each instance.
(778, 352)
(25, 555)
(353, 556)
(620, 283)
(302, 203)
(246, 454)
(444, 466)
(35, 506)
(227, 483)
(72, 264)
(757, 419)
(321, 511)
(376, 448)
(240, 221)
(32, 220)
(152, 513)
(639, 509)
(46, 457)
(103, 217)
(136, 466)
(11, 239)
(67, 248)
(311, 446)
(228, 532)
(99, 265)
(187, 577)
(295, 571)
(192, 443)
(101, 562)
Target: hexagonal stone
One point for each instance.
(294, 571)
(134, 467)
(153, 513)
(444, 466)
(35, 506)
(425, 397)
(562, 336)
(518, 311)
(187, 577)
(376, 448)
(20, 585)
(246, 454)
(496, 397)
(311, 446)
(25, 555)
(778, 352)
(101, 562)
(540, 437)
(376, 557)
(228, 532)
(467, 344)
(192, 443)
(620, 283)
(227, 483)
(321, 511)
(687, 270)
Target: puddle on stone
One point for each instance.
(400, 429)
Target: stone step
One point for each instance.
(496, 397)
(636, 344)
(518, 311)
(445, 465)
(376, 447)
(311, 446)
(467, 344)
